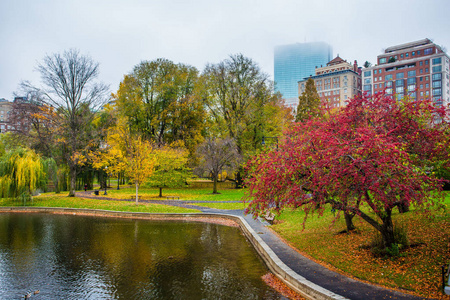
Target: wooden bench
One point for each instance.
(134, 197)
(173, 197)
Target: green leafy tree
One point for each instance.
(157, 99)
(309, 103)
(21, 173)
(242, 105)
(171, 170)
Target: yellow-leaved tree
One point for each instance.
(127, 152)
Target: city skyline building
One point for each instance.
(336, 83)
(418, 69)
(294, 62)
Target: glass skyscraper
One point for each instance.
(295, 62)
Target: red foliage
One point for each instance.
(375, 151)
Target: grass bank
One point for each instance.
(417, 269)
(61, 200)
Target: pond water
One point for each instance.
(81, 257)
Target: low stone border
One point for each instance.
(298, 283)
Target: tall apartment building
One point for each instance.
(335, 83)
(418, 69)
(295, 62)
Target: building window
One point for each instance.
(427, 78)
(436, 84)
(389, 91)
(400, 75)
(367, 80)
(413, 53)
(421, 86)
(418, 52)
(367, 73)
(421, 63)
(388, 77)
(399, 83)
(421, 94)
(389, 84)
(437, 76)
(421, 71)
(383, 60)
(426, 70)
(437, 92)
(406, 54)
(411, 87)
(426, 62)
(412, 73)
(427, 93)
(401, 55)
(436, 61)
(411, 80)
(437, 69)
(428, 51)
(374, 71)
(427, 85)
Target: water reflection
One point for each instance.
(75, 257)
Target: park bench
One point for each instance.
(134, 197)
(269, 216)
(173, 197)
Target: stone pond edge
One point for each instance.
(298, 283)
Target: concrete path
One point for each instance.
(312, 271)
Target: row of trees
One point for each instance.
(159, 125)
(168, 118)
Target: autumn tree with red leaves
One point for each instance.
(375, 153)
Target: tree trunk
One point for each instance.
(137, 192)
(349, 221)
(73, 181)
(387, 229)
(215, 185)
(118, 181)
(160, 192)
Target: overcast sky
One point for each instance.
(120, 34)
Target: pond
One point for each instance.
(82, 257)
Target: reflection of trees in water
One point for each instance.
(135, 258)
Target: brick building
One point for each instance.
(418, 69)
(336, 83)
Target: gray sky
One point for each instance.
(120, 34)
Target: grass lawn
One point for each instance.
(417, 269)
(61, 200)
(205, 194)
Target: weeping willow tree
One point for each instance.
(21, 173)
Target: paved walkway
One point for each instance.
(312, 271)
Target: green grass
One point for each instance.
(61, 200)
(203, 194)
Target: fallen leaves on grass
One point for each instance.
(275, 283)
